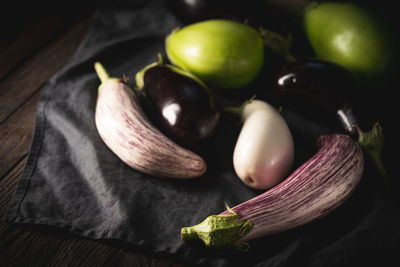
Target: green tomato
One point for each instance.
(222, 53)
(349, 35)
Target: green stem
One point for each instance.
(372, 143)
(104, 76)
(233, 110)
(238, 110)
(101, 72)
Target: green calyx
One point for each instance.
(372, 143)
(140, 77)
(220, 231)
(191, 76)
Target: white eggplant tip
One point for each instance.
(267, 178)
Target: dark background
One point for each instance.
(20, 14)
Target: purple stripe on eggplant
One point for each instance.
(311, 192)
(126, 130)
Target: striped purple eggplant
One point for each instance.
(126, 130)
(311, 192)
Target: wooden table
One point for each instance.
(29, 56)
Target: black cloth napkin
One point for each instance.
(74, 182)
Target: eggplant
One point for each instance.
(225, 54)
(322, 91)
(127, 131)
(314, 190)
(352, 36)
(184, 107)
(264, 150)
(331, 95)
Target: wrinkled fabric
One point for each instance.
(74, 182)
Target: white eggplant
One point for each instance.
(264, 151)
(311, 192)
(126, 130)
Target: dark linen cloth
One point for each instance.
(74, 182)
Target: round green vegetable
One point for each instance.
(349, 35)
(222, 53)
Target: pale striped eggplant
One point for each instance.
(311, 192)
(125, 129)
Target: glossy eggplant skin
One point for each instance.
(183, 108)
(322, 91)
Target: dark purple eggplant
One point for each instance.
(330, 95)
(183, 107)
(320, 90)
